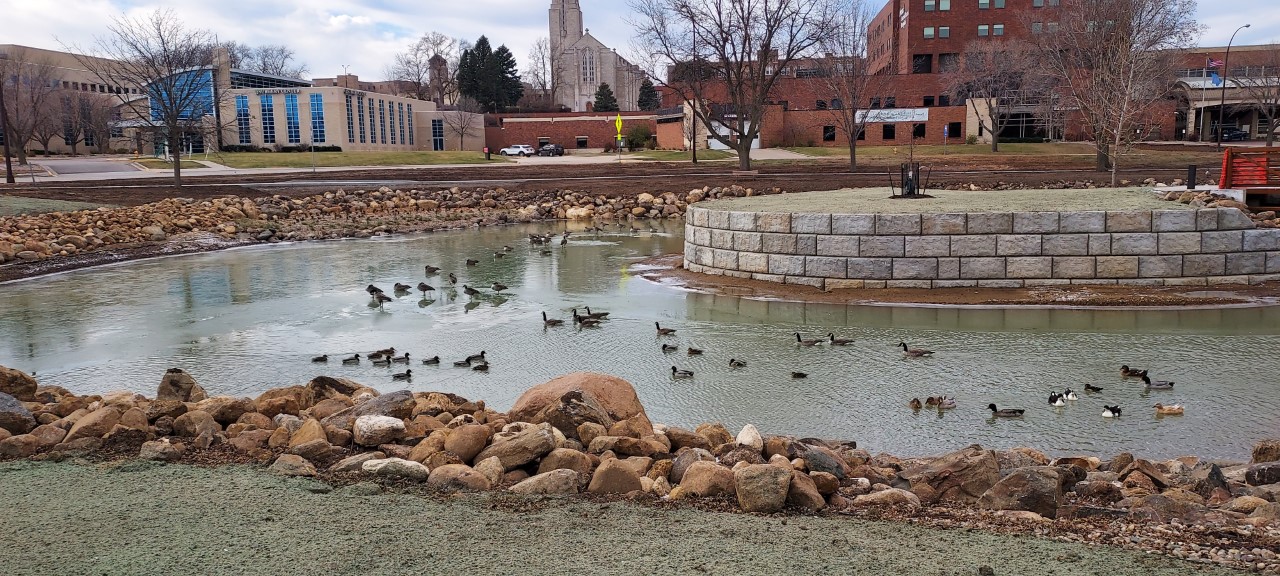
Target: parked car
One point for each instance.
(517, 150)
(551, 150)
(1234, 134)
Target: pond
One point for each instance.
(245, 320)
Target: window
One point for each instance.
(918, 130)
(382, 119)
(1054, 2)
(984, 30)
(948, 62)
(292, 123)
(888, 132)
(588, 68)
(268, 119)
(403, 134)
(351, 123)
(999, 3)
(984, 4)
(890, 102)
(360, 110)
(953, 130)
(930, 5)
(392, 113)
(862, 134)
(997, 30)
(828, 133)
(582, 141)
(821, 105)
(543, 141)
(944, 31)
(928, 32)
(409, 107)
(317, 117)
(921, 64)
(944, 5)
(1037, 3)
(837, 104)
(242, 120)
(928, 101)
(1037, 27)
(944, 100)
(437, 134)
(373, 124)
(1052, 27)
(117, 132)
(875, 103)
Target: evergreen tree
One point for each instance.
(489, 76)
(648, 99)
(605, 100)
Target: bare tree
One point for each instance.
(1262, 90)
(240, 55)
(728, 55)
(30, 86)
(87, 117)
(277, 60)
(1111, 60)
(172, 65)
(844, 73)
(417, 67)
(50, 124)
(998, 76)
(463, 119)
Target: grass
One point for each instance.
(1021, 149)
(158, 164)
(12, 205)
(877, 201)
(679, 155)
(332, 159)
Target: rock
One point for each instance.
(523, 448)
(134, 418)
(161, 450)
(1244, 504)
(715, 434)
(740, 453)
(292, 465)
(226, 409)
(889, 497)
(709, 479)
(573, 399)
(1148, 469)
(560, 481)
(394, 404)
(961, 476)
(682, 438)
(803, 493)
(325, 387)
(823, 459)
(370, 430)
(633, 427)
(1039, 489)
(326, 408)
(180, 386)
(565, 459)
(589, 431)
(15, 417)
(154, 233)
(1159, 508)
(453, 477)
(96, 424)
(194, 423)
(749, 436)
(18, 384)
(1262, 474)
(686, 459)
(162, 408)
(1120, 462)
(310, 431)
(761, 487)
(614, 477)
(491, 468)
(1267, 450)
(252, 441)
(1207, 480)
(397, 468)
(20, 446)
(356, 463)
(1269, 511)
(286, 400)
(467, 441)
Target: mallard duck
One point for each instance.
(469, 291)
(1070, 394)
(462, 363)
(915, 404)
(596, 315)
(695, 351)
(550, 321)
(584, 322)
(432, 361)
(914, 352)
(383, 352)
(664, 331)
(507, 248)
(497, 255)
(1110, 411)
(1157, 384)
(321, 358)
(799, 375)
(497, 287)
(946, 402)
(432, 269)
(1005, 412)
(1170, 410)
(932, 401)
(406, 375)
(453, 279)
(1127, 372)
(472, 262)
(677, 373)
(735, 363)
(354, 359)
(1055, 399)
(371, 289)
(805, 342)
(838, 341)
(1092, 388)
(477, 357)
(401, 359)
(402, 287)
(424, 288)
(669, 348)
(382, 362)
(481, 367)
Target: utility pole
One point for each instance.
(1222, 103)
(4, 127)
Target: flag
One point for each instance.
(1217, 80)
(1215, 63)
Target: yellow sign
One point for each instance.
(618, 123)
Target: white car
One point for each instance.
(518, 150)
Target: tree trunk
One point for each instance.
(995, 142)
(744, 154)
(853, 154)
(1100, 160)
(175, 140)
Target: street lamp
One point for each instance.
(1222, 103)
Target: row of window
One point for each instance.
(890, 131)
(877, 102)
(87, 87)
(984, 30)
(293, 122)
(945, 5)
(400, 121)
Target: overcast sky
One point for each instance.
(365, 34)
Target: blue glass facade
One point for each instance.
(437, 134)
(410, 124)
(404, 137)
(191, 93)
(317, 118)
(382, 119)
(391, 111)
(351, 123)
(242, 120)
(268, 118)
(360, 110)
(292, 122)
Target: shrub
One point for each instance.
(971, 139)
(609, 146)
(639, 137)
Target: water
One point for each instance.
(246, 320)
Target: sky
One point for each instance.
(364, 35)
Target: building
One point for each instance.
(1210, 94)
(581, 63)
(928, 36)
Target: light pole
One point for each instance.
(4, 127)
(1222, 103)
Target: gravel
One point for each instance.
(877, 201)
(150, 518)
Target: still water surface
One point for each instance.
(249, 319)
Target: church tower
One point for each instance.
(565, 18)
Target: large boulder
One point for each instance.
(1158, 508)
(709, 479)
(687, 459)
(356, 463)
(195, 423)
(292, 465)
(682, 438)
(961, 476)
(20, 446)
(577, 398)
(560, 481)
(452, 477)
(823, 459)
(761, 487)
(161, 450)
(1264, 451)
(15, 417)
(803, 492)
(522, 448)
(226, 410)
(287, 400)
(309, 431)
(397, 468)
(371, 430)
(18, 384)
(95, 424)
(889, 497)
(614, 477)
(180, 386)
(395, 404)
(749, 436)
(467, 441)
(1039, 489)
(565, 459)
(1263, 474)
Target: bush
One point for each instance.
(240, 148)
(609, 146)
(639, 137)
(971, 139)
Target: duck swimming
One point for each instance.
(677, 373)
(914, 352)
(1127, 372)
(406, 375)
(1092, 388)
(401, 359)
(472, 262)
(1170, 410)
(915, 404)
(669, 348)
(805, 342)
(695, 351)
(584, 322)
(838, 341)
(798, 375)
(550, 321)
(1157, 384)
(432, 269)
(481, 367)
(1110, 411)
(1005, 412)
(355, 359)
(1070, 394)
(664, 331)
(596, 315)
(1055, 399)
(735, 363)
(322, 358)
(432, 361)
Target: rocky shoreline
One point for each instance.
(587, 436)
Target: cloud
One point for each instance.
(340, 22)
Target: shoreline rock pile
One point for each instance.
(588, 433)
(1206, 199)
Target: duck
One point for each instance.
(1005, 412)
(914, 352)
(506, 248)
(477, 357)
(1170, 410)
(915, 404)
(481, 367)
(1092, 388)
(584, 322)
(1127, 372)
(472, 262)
(371, 289)
(321, 358)
(1157, 384)
(695, 351)
(401, 359)
(798, 375)
(946, 403)
(1110, 411)
(664, 331)
(596, 315)
(678, 373)
(453, 279)
(735, 363)
(805, 342)
(402, 287)
(432, 361)
(462, 363)
(669, 348)
(932, 401)
(497, 255)
(1070, 394)
(470, 291)
(355, 359)
(499, 287)
(424, 288)
(838, 341)
(406, 375)
(381, 298)
(550, 321)
(537, 239)
(432, 269)
(1055, 399)
(383, 352)
(382, 362)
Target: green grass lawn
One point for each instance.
(1022, 149)
(327, 159)
(678, 155)
(11, 205)
(158, 164)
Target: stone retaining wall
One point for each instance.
(1004, 250)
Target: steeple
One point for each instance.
(565, 19)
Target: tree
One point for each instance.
(727, 55)
(418, 67)
(648, 98)
(30, 84)
(463, 120)
(844, 74)
(273, 59)
(1112, 61)
(605, 100)
(171, 64)
(489, 76)
(1263, 91)
(544, 74)
(998, 76)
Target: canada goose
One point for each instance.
(664, 331)
(322, 358)
(550, 321)
(453, 279)
(470, 291)
(477, 357)
(481, 367)
(838, 341)
(1069, 394)
(355, 359)
(432, 361)
(1092, 388)
(1110, 411)
(1005, 412)
(537, 239)
(798, 375)
(402, 287)
(803, 342)
(677, 373)
(635, 230)
(432, 269)
(506, 248)
(371, 289)
(1170, 410)
(424, 288)
(1157, 384)
(497, 255)
(1127, 372)
(583, 321)
(401, 359)
(406, 375)
(915, 404)
(596, 315)
(914, 352)
(462, 363)
(695, 351)
(472, 262)
(382, 362)
(564, 239)
(1055, 399)
(735, 363)
(381, 298)
(499, 287)
(669, 348)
